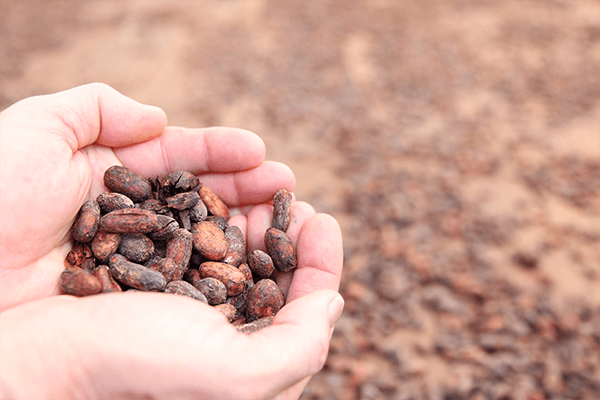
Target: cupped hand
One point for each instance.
(54, 151)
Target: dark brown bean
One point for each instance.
(78, 282)
(209, 240)
(130, 220)
(79, 254)
(214, 290)
(198, 212)
(183, 201)
(105, 244)
(135, 275)
(236, 246)
(87, 222)
(183, 288)
(123, 180)
(158, 206)
(230, 276)
(109, 285)
(263, 300)
(281, 210)
(178, 182)
(166, 227)
(137, 247)
(179, 248)
(213, 202)
(110, 202)
(261, 263)
(279, 247)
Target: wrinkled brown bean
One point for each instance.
(130, 220)
(198, 212)
(123, 180)
(281, 210)
(135, 275)
(279, 247)
(213, 202)
(227, 310)
(230, 276)
(236, 246)
(183, 201)
(261, 263)
(179, 248)
(183, 288)
(214, 290)
(105, 244)
(209, 240)
(137, 247)
(79, 254)
(87, 222)
(247, 274)
(110, 202)
(157, 206)
(109, 285)
(166, 227)
(264, 300)
(255, 326)
(78, 282)
(180, 181)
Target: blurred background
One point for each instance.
(457, 143)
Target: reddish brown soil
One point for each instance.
(457, 142)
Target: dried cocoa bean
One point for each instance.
(213, 202)
(227, 310)
(183, 288)
(110, 202)
(105, 244)
(214, 290)
(209, 240)
(130, 220)
(255, 326)
(123, 180)
(109, 285)
(166, 227)
(261, 263)
(135, 275)
(198, 212)
(87, 222)
(169, 268)
(230, 276)
(236, 246)
(78, 282)
(247, 274)
(219, 221)
(280, 248)
(157, 206)
(79, 254)
(179, 248)
(263, 300)
(281, 210)
(137, 247)
(183, 201)
(178, 182)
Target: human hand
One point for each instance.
(54, 152)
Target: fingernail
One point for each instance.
(336, 305)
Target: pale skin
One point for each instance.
(54, 150)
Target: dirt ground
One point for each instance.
(457, 142)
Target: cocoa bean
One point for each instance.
(169, 268)
(179, 248)
(214, 290)
(280, 248)
(281, 210)
(137, 247)
(209, 240)
(183, 201)
(219, 221)
(79, 254)
(135, 275)
(110, 202)
(178, 182)
(105, 244)
(230, 276)
(130, 220)
(123, 180)
(183, 288)
(157, 206)
(263, 300)
(236, 246)
(78, 282)
(261, 263)
(198, 212)
(109, 285)
(247, 274)
(87, 222)
(213, 202)
(166, 227)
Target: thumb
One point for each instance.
(97, 113)
(296, 345)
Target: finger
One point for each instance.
(97, 113)
(320, 257)
(195, 150)
(295, 346)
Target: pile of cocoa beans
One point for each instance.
(172, 235)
